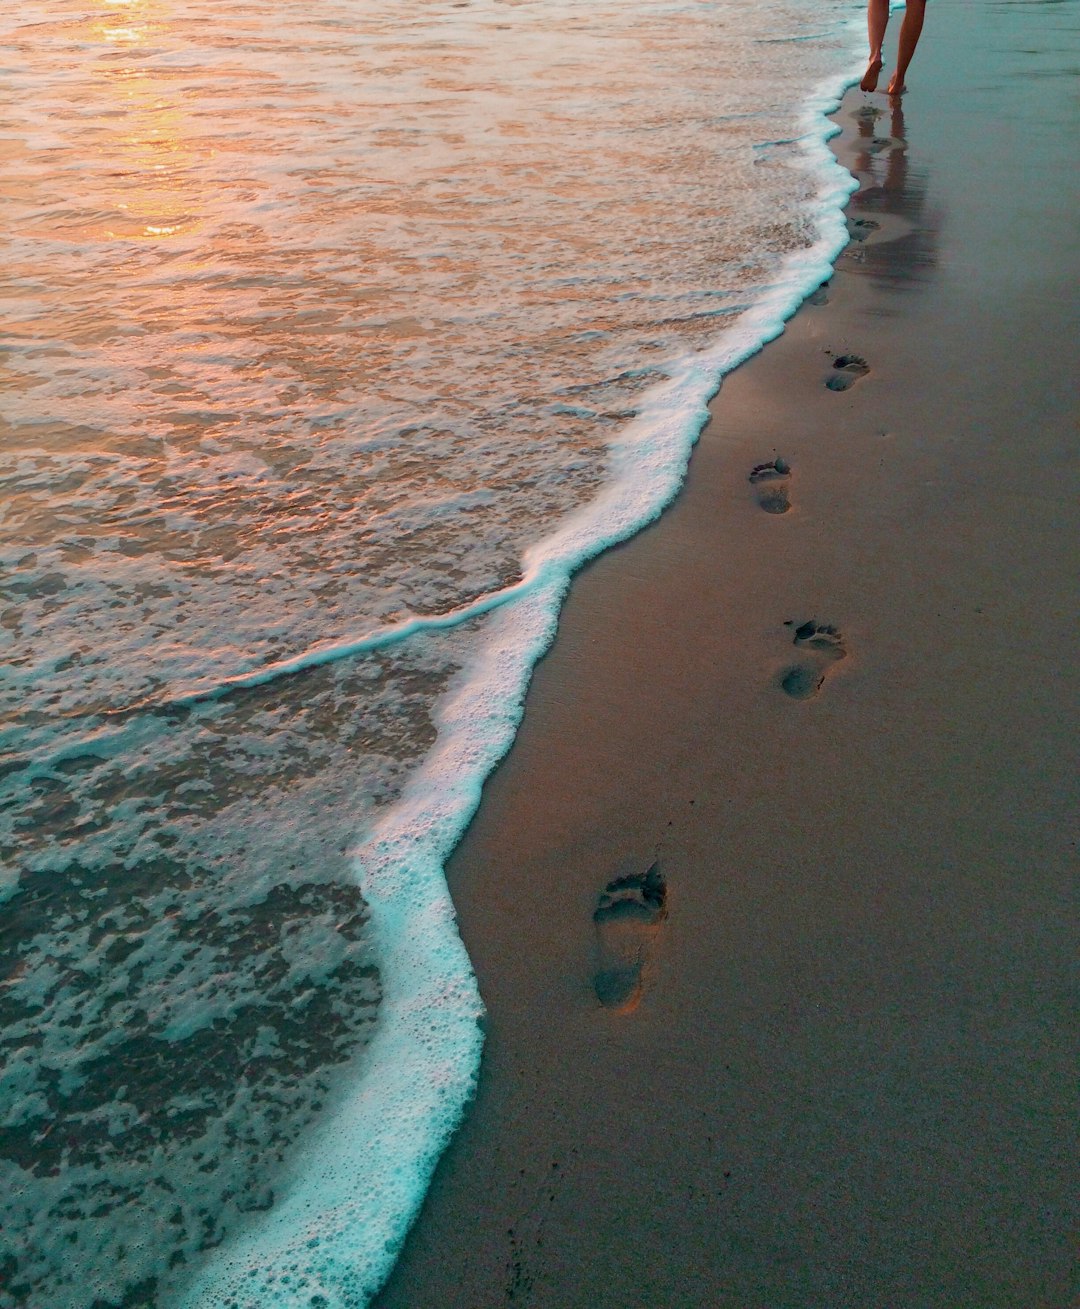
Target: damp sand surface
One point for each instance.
(845, 1081)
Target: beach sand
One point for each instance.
(848, 1081)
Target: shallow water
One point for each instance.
(316, 319)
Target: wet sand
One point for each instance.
(847, 1079)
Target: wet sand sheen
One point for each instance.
(844, 1078)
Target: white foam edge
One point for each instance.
(334, 1234)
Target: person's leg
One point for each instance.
(877, 20)
(909, 39)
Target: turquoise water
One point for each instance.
(333, 342)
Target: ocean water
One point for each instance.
(335, 337)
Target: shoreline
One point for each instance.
(774, 1124)
(431, 1018)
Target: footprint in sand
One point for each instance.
(847, 370)
(860, 228)
(825, 646)
(772, 481)
(627, 919)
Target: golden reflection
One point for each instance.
(147, 165)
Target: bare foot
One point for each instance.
(896, 87)
(870, 77)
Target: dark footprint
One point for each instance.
(801, 682)
(860, 228)
(820, 296)
(627, 918)
(826, 645)
(773, 480)
(847, 370)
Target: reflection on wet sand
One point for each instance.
(894, 227)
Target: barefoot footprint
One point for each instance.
(772, 478)
(860, 228)
(847, 370)
(826, 646)
(627, 918)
